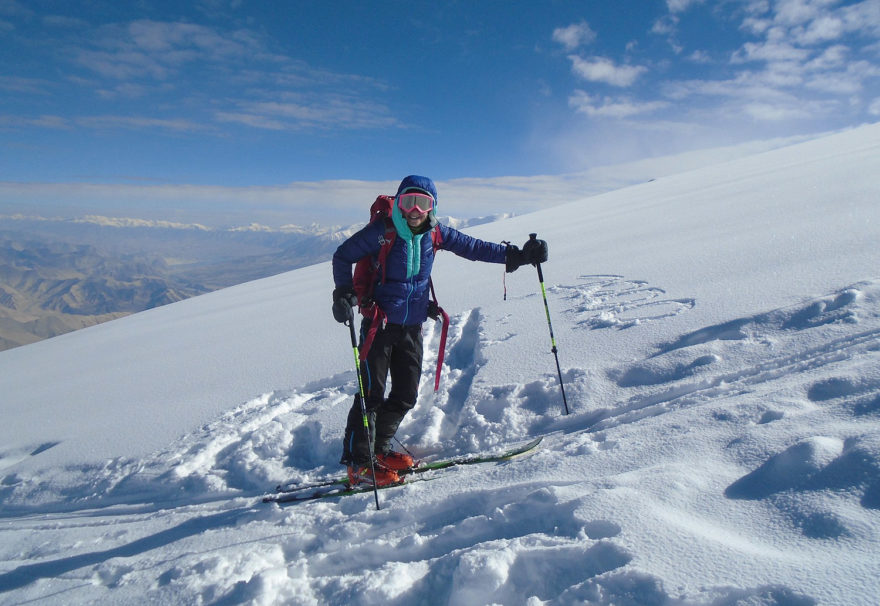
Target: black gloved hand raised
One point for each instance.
(344, 300)
(534, 251)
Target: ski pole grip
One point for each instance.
(538, 265)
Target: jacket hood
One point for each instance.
(413, 241)
(421, 183)
(418, 182)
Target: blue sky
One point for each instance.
(235, 95)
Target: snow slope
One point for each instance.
(719, 335)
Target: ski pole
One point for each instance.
(550, 325)
(362, 397)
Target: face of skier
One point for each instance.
(415, 207)
(415, 219)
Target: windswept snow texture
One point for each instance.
(719, 338)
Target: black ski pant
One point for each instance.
(396, 351)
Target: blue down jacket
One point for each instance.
(405, 294)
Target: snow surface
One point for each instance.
(719, 337)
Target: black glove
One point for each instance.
(534, 251)
(514, 258)
(344, 300)
(433, 310)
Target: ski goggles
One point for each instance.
(410, 201)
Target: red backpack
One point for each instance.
(369, 271)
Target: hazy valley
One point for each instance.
(59, 275)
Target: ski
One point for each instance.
(473, 459)
(331, 490)
(338, 487)
(421, 468)
(296, 486)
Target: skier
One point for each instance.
(401, 292)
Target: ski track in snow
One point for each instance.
(550, 530)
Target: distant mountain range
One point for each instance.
(59, 275)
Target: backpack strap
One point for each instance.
(436, 238)
(376, 318)
(368, 308)
(441, 351)
(387, 243)
(436, 241)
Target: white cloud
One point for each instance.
(844, 81)
(812, 22)
(771, 52)
(44, 121)
(807, 49)
(767, 112)
(13, 8)
(601, 69)
(122, 65)
(756, 26)
(63, 22)
(800, 60)
(745, 85)
(16, 84)
(700, 56)
(343, 202)
(862, 17)
(575, 35)
(799, 12)
(665, 26)
(214, 77)
(874, 107)
(314, 110)
(612, 108)
(822, 29)
(158, 50)
(252, 120)
(833, 57)
(805, 64)
(177, 42)
(142, 122)
(679, 6)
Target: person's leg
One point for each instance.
(374, 374)
(405, 366)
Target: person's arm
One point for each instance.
(463, 245)
(363, 243)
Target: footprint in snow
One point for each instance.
(612, 301)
